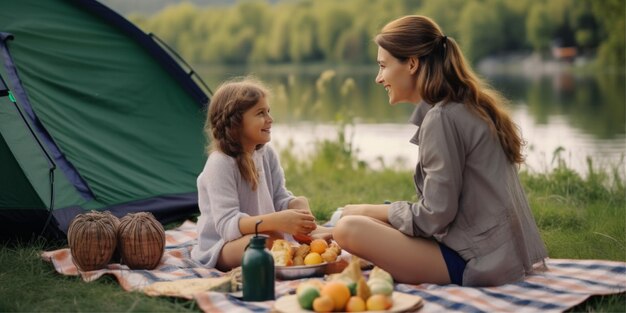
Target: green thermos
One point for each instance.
(257, 268)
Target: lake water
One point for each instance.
(579, 115)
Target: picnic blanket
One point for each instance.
(566, 283)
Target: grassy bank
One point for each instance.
(580, 218)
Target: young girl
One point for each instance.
(242, 181)
(472, 224)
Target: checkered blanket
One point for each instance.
(566, 283)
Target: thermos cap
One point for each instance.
(258, 240)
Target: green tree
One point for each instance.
(586, 27)
(264, 31)
(277, 45)
(333, 22)
(514, 16)
(611, 15)
(170, 23)
(539, 28)
(303, 37)
(481, 29)
(352, 45)
(255, 14)
(255, 17)
(447, 14)
(206, 26)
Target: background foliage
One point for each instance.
(288, 31)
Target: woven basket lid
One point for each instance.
(141, 239)
(92, 238)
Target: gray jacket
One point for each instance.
(471, 198)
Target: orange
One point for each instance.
(323, 304)
(339, 292)
(313, 258)
(355, 304)
(302, 238)
(378, 303)
(318, 245)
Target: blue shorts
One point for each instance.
(454, 263)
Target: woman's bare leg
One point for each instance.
(232, 252)
(409, 260)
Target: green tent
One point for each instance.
(94, 115)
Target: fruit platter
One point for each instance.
(349, 291)
(306, 259)
(401, 302)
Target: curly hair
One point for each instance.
(224, 122)
(444, 75)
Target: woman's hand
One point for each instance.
(377, 211)
(322, 232)
(353, 209)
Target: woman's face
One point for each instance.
(257, 123)
(397, 77)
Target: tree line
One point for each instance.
(301, 31)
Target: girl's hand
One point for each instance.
(296, 221)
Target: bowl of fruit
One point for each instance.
(302, 260)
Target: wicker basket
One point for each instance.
(141, 239)
(92, 238)
(116, 221)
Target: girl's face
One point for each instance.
(257, 123)
(397, 77)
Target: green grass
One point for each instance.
(579, 218)
(28, 284)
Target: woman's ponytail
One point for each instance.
(482, 99)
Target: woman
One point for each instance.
(472, 224)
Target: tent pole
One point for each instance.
(192, 72)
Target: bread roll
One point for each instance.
(282, 253)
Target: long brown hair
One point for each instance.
(443, 75)
(224, 122)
